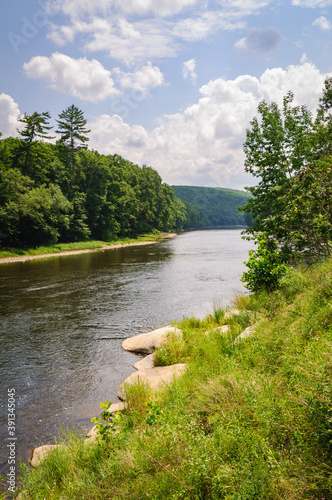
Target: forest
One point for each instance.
(207, 206)
(63, 192)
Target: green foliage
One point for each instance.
(266, 266)
(71, 127)
(36, 126)
(70, 194)
(212, 206)
(107, 423)
(291, 205)
(277, 146)
(303, 226)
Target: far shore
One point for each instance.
(24, 258)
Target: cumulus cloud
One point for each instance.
(142, 80)
(136, 30)
(259, 40)
(322, 23)
(86, 79)
(188, 71)
(204, 144)
(9, 115)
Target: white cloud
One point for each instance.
(259, 40)
(86, 79)
(312, 3)
(78, 8)
(9, 115)
(188, 71)
(322, 23)
(204, 144)
(142, 80)
(140, 30)
(125, 41)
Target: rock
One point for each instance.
(38, 454)
(146, 343)
(155, 377)
(145, 363)
(246, 333)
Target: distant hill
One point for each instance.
(208, 206)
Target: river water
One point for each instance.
(63, 319)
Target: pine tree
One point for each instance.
(71, 127)
(36, 126)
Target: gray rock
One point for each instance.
(146, 343)
(155, 377)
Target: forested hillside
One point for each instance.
(208, 206)
(64, 192)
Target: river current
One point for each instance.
(63, 320)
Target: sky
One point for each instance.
(172, 84)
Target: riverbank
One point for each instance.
(247, 419)
(144, 240)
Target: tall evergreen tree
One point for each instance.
(36, 126)
(71, 127)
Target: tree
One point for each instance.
(291, 205)
(36, 126)
(31, 215)
(303, 228)
(71, 126)
(276, 148)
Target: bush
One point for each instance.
(266, 266)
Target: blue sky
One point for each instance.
(168, 83)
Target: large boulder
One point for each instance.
(146, 343)
(155, 377)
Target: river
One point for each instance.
(63, 320)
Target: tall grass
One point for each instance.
(247, 420)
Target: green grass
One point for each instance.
(83, 245)
(248, 420)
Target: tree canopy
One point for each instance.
(64, 192)
(291, 208)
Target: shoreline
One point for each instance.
(113, 246)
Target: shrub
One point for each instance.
(265, 266)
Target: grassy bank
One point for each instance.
(82, 245)
(249, 419)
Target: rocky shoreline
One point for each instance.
(143, 344)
